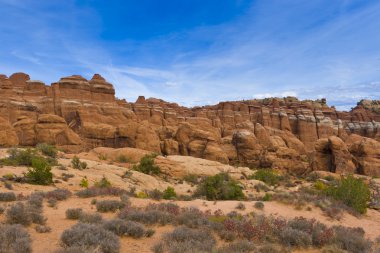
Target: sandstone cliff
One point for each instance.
(285, 133)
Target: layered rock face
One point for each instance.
(285, 133)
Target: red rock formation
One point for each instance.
(278, 132)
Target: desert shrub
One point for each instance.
(267, 197)
(34, 208)
(99, 191)
(122, 159)
(14, 238)
(226, 235)
(84, 182)
(102, 157)
(240, 206)
(46, 149)
(142, 195)
(220, 187)
(73, 213)
(192, 218)
(42, 229)
(92, 218)
(40, 173)
(66, 176)
(351, 239)
(78, 249)
(109, 205)
(186, 240)
(267, 176)
(90, 236)
(269, 248)
(7, 196)
(352, 191)
(103, 183)
(77, 164)
(259, 205)
(2, 210)
(8, 185)
(18, 214)
(58, 194)
(147, 166)
(19, 157)
(149, 217)
(169, 193)
(155, 194)
(191, 178)
(294, 237)
(135, 229)
(238, 247)
(116, 226)
(52, 202)
(320, 186)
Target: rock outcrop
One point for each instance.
(283, 133)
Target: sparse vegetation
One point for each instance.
(100, 191)
(351, 191)
(103, 183)
(267, 176)
(155, 194)
(42, 229)
(89, 236)
(122, 159)
(14, 239)
(47, 149)
(7, 196)
(147, 166)
(259, 205)
(77, 164)
(92, 218)
(169, 193)
(84, 182)
(108, 205)
(240, 206)
(220, 187)
(18, 214)
(40, 173)
(73, 213)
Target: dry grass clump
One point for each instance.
(104, 206)
(58, 194)
(243, 246)
(14, 238)
(73, 213)
(88, 237)
(42, 229)
(186, 240)
(7, 196)
(92, 218)
(101, 191)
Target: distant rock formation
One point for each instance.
(285, 133)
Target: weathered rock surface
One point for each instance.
(283, 133)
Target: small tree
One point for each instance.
(40, 173)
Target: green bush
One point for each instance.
(19, 157)
(267, 176)
(353, 192)
(169, 193)
(220, 187)
(48, 150)
(77, 164)
(147, 166)
(122, 159)
(103, 183)
(40, 173)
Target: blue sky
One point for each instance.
(198, 52)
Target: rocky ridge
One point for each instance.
(286, 133)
